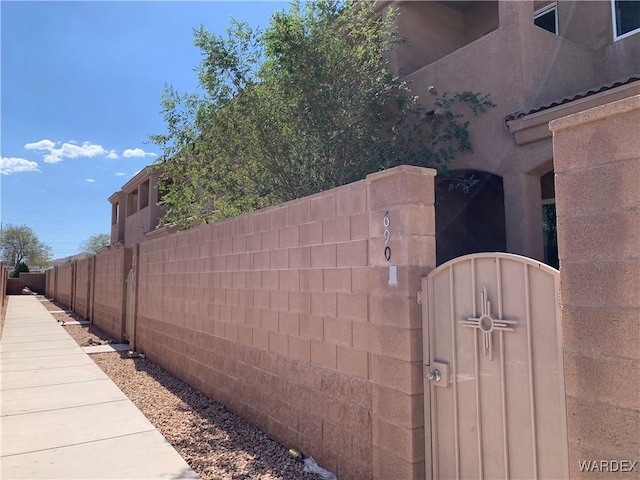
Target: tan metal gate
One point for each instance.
(494, 391)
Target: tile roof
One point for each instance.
(588, 93)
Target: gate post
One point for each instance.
(401, 251)
(125, 267)
(72, 295)
(132, 297)
(55, 284)
(597, 168)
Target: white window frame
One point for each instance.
(617, 37)
(546, 9)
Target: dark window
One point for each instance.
(626, 17)
(547, 18)
(144, 194)
(549, 222)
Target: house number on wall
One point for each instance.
(387, 236)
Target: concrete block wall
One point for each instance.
(14, 286)
(4, 276)
(64, 285)
(82, 288)
(35, 281)
(111, 265)
(597, 166)
(50, 280)
(289, 316)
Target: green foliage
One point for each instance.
(19, 244)
(94, 243)
(308, 104)
(22, 267)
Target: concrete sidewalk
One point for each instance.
(61, 417)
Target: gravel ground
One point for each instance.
(215, 442)
(49, 305)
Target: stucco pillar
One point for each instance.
(117, 228)
(523, 214)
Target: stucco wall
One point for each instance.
(522, 67)
(136, 225)
(597, 165)
(287, 316)
(111, 267)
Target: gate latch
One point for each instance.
(437, 374)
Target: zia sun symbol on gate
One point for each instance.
(487, 324)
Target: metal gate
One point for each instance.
(494, 385)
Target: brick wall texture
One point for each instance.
(111, 268)
(64, 285)
(14, 286)
(286, 316)
(50, 282)
(34, 281)
(82, 292)
(597, 166)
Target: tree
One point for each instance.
(19, 244)
(308, 104)
(94, 243)
(21, 267)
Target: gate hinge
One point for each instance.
(419, 297)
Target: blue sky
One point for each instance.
(81, 84)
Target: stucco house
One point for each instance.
(538, 60)
(134, 208)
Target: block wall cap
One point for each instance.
(430, 172)
(161, 231)
(597, 113)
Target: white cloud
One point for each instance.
(70, 149)
(57, 152)
(9, 165)
(89, 180)
(41, 145)
(137, 152)
(120, 174)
